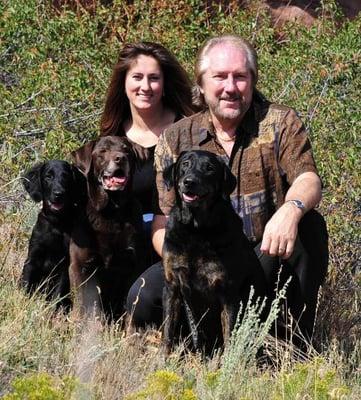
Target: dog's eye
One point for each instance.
(49, 175)
(210, 168)
(186, 163)
(100, 154)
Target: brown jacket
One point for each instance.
(270, 151)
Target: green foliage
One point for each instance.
(41, 386)
(165, 385)
(240, 354)
(314, 379)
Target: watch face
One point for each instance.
(298, 203)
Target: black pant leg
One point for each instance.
(310, 268)
(307, 268)
(144, 300)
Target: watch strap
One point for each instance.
(298, 203)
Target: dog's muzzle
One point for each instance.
(56, 201)
(190, 190)
(117, 181)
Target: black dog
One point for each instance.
(209, 263)
(58, 186)
(106, 248)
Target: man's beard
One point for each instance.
(229, 114)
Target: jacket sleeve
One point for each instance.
(295, 152)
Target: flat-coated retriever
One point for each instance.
(106, 248)
(209, 263)
(58, 186)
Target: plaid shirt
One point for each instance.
(271, 149)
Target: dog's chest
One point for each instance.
(114, 247)
(50, 238)
(196, 264)
(207, 275)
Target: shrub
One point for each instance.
(41, 387)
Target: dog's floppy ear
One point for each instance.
(170, 172)
(139, 153)
(82, 157)
(32, 182)
(229, 181)
(79, 187)
(169, 176)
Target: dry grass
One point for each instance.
(109, 365)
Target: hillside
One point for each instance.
(55, 63)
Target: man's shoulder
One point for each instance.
(185, 123)
(183, 134)
(272, 113)
(282, 109)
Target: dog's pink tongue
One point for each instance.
(190, 197)
(56, 206)
(116, 180)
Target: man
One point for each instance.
(267, 149)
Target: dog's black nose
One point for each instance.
(58, 194)
(188, 181)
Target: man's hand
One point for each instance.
(281, 231)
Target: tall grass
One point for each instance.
(49, 352)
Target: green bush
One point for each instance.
(165, 385)
(314, 379)
(41, 387)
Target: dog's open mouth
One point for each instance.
(190, 197)
(114, 182)
(55, 206)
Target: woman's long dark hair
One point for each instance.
(177, 86)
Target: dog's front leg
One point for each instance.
(28, 280)
(75, 279)
(85, 291)
(83, 282)
(61, 290)
(228, 317)
(171, 307)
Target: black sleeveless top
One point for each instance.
(144, 175)
(144, 182)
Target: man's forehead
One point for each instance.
(227, 56)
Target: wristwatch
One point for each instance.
(298, 203)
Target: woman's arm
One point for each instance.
(158, 232)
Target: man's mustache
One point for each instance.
(230, 98)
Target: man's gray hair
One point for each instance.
(202, 62)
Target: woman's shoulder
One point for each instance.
(143, 154)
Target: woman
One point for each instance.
(148, 91)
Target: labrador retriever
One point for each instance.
(106, 248)
(58, 186)
(209, 263)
